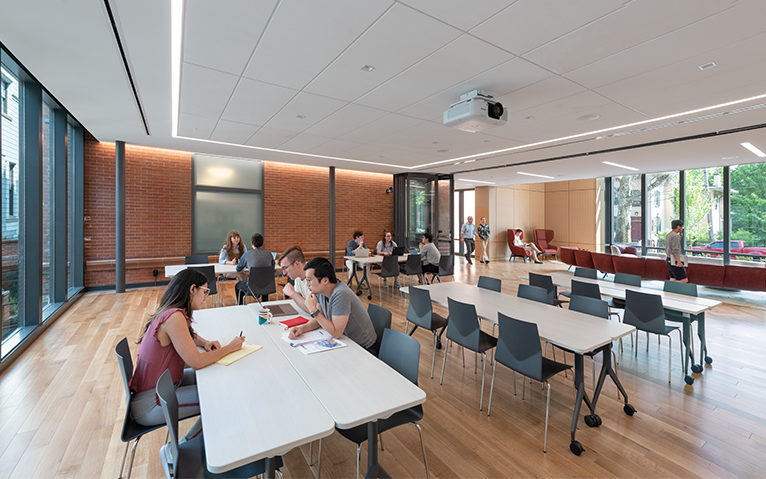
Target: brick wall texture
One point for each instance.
(158, 208)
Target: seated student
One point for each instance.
(386, 247)
(292, 262)
(351, 247)
(231, 251)
(334, 307)
(430, 257)
(169, 342)
(255, 258)
(527, 246)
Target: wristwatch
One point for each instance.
(315, 313)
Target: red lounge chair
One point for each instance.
(517, 251)
(543, 240)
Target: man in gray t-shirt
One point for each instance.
(334, 307)
(676, 269)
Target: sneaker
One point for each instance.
(396, 284)
(385, 283)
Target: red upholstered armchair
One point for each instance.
(517, 251)
(543, 240)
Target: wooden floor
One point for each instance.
(62, 406)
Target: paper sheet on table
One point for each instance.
(246, 350)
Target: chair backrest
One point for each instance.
(420, 311)
(592, 306)
(209, 272)
(463, 324)
(381, 320)
(261, 281)
(615, 250)
(492, 284)
(629, 279)
(644, 311)
(166, 391)
(197, 259)
(446, 265)
(540, 239)
(413, 265)
(585, 272)
(545, 282)
(389, 268)
(518, 346)
(688, 289)
(590, 290)
(122, 350)
(535, 293)
(401, 352)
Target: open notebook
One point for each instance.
(246, 350)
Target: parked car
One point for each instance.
(736, 247)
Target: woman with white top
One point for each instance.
(527, 246)
(231, 252)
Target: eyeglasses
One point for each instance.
(206, 290)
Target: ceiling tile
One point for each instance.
(333, 147)
(256, 102)
(397, 41)
(233, 132)
(378, 129)
(195, 126)
(345, 120)
(303, 142)
(270, 138)
(540, 93)
(199, 96)
(458, 13)
(304, 111)
(304, 37)
(233, 27)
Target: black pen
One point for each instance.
(240, 333)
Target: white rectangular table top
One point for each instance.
(674, 301)
(354, 386)
(571, 330)
(373, 259)
(173, 270)
(241, 418)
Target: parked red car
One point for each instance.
(737, 247)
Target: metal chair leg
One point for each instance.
(133, 456)
(380, 441)
(433, 358)
(124, 456)
(547, 405)
(311, 453)
(492, 387)
(358, 447)
(444, 361)
(422, 446)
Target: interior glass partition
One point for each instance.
(423, 203)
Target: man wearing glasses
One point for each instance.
(292, 262)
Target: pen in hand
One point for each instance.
(240, 333)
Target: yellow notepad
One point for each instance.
(237, 355)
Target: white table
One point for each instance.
(686, 305)
(354, 386)
(173, 270)
(366, 262)
(242, 421)
(577, 332)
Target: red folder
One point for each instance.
(289, 323)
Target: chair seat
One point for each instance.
(551, 368)
(616, 303)
(677, 317)
(438, 321)
(358, 434)
(669, 329)
(486, 341)
(566, 294)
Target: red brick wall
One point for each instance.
(158, 207)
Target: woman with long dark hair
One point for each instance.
(169, 342)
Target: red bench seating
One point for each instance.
(750, 278)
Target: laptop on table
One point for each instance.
(399, 251)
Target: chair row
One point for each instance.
(751, 278)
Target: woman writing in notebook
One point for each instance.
(169, 342)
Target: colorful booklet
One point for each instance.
(319, 346)
(313, 341)
(246, 350)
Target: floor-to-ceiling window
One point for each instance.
(47, 191)
(748, 212)
(662, 207)
(465, 206)
(626, 208)
(704, 219)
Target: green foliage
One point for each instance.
(748, 202)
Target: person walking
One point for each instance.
(483, 232)
(467, 232)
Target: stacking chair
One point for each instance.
(412, 265)
(590, 290)
(188, 459)
(261, 281)
(492, 284)
(623, 278)
(546, 282)
(381, 320)
(131, 430)
(518, 348)
(421, 314)
(594, 307)
(197, 259)
(534, 293)
(463, 328)
(212, 283)
(645, 312)
(446, 267)
(689, 289)
(389, 268)
(581, 272)
(402, 353)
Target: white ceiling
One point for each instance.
(282, 80)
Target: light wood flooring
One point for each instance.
(62, 405)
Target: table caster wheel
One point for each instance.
(369, 296)
(576, 448)
(629, 409)
(689, 379)
(696, 368)
(438, 344)
(708, 360)
(593, 420)
(358, 293)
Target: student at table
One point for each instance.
(255, 258)
(292, 262)
(231, 251)
(429, 256)
(169, 342)
(334, 307)
(387, 244)
(354, 244)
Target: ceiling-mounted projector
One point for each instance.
(476, 111)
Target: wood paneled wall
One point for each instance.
(519, 206)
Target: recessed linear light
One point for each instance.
(619, 165)
(532, 174)
(707, 66)
(589, 117)
(730, 157)
(476, 181)
(469, 161)
(755, 150)
(367, 68)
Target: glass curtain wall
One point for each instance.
(704, 219)
(626, 208)
(662, 207)
(465, 206)
(70, 148)
(748, 212)
(47, 204)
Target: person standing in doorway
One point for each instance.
(467, 232)
(673, 261)
(483, 232)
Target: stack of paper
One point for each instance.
(313, 341)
